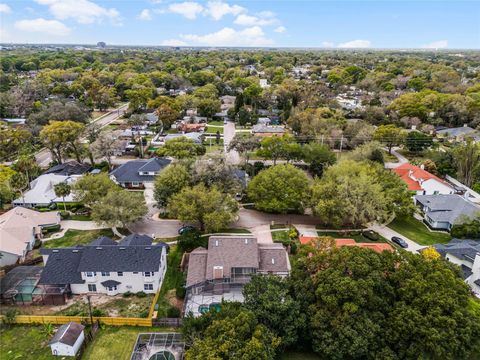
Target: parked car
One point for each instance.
(186, 228)
(371, 235)
(400, 242)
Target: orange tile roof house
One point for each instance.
(423, 182)
(378, 247)
(19, 228)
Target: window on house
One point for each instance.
(135, 272)
(92, 288)
(147, 274)
(148, 287)
(105, 273)
(89, 274)
(120, 273)
(112, 288)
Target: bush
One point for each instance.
(190, 240)
(98, 312)
(64, 215)
(10, 316)
(467, 230)
(180, 292)
(53, 228)
(173, 312)
(144, 314)
(141, 294)
(127, 294)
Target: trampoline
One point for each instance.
(163, 355)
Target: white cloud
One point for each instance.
(262, 19)
(145, 15)
(173, 42)
(188, 9)
(280, 29)
(355, 44)
(440, 44)
(218, 9)
(4, 8)
(82, 11)
(252, 36)
(328, 44)
(51, 27)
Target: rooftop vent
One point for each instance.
(122, 248)
(216, 242)
(99, 248)
(75, 251)
(246, 241)
(55, 251)
(273, 261)
(148, 248)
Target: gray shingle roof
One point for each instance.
(454, 132)
(67, 334)
(447, 208)
(273, 258)
(129, 172)
(103, 241)
(65, 265)
(69, 168)
(136, 239)
(110, 283)
(462, 249)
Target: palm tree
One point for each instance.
(18, 182)
(61, 190)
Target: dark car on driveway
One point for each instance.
(400, 242)
(371, 235)
(186, 228)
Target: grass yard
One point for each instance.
(116, 343)
(280, 236)
(80, 217)
(77, 237)
(173, 280)
(216, 123)
(24, 342)
(234, 231)
(415, 230)
(214, 149)
(355, 235)
(387, 157)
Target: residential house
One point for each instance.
(421, 181)
(264, 83)
(67, 340)
(136, 174)
(69, 168)
(19, 228)
(228, 102)
(443, 211)
(220, 272)
(265, 131)
(188, 127)
(42, 191)
(458, 133)
(105, 266)
(466, 254)
(377, 247)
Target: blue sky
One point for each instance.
(281, 23)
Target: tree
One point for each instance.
(12, 140)
(216, 172)
(244, 116)
(361, 304)
(7, 193)
(467, 158)
(58, 111)
(58, 136)
(181, 148)
(106, 145)
(269, 298)
(208, 107)
(61, 190)
(352, 193)
(119, 208)
(279, 189)
(318, 156)
(138, 97)
(389, 135)
(89, 189)
(239, 337)
(209, 207)
(167, 115)
(169, 182)
(417, 141)
(369, 151)
(244, 144)
(274, 147)
(18, 183)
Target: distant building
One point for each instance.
(69, 168)
(443, 211)
(136, 173)
(421, 181)
(101, 44)
(265, 131)
(459, 133)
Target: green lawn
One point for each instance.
(216, 123)
(24, 342)
(77, 237)
(213, 130)
(280, 236)
(80, 217)
(417, 231)
(214, 148)
(358, 237)
(234, 231)
(115, 343)
(173, 279)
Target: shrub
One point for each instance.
(98, 312)
(144, 314)
(180, 291)
(173, 312)
(127, 294)
(141, 294)
(64, 215)
(10, 316)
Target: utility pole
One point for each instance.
(90, 310)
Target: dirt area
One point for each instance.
(173, 300)
(102, 305)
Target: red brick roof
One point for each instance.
(405, 170)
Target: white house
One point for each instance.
(19, 228)
(106, 266)
(67, 340)
(422, 182)
(466, 254)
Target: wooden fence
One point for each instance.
(152, 311)
(58, 320)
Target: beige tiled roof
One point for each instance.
(18, 225)
(273, 258)
(197, 263)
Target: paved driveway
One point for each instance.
(149, 199)
(388, 233)
(228, 133)
(251, 218)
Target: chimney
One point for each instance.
(422, 167)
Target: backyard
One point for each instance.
(355, 235)
(116, 343)
(24, 342)
(77, 237)
(415, 230)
